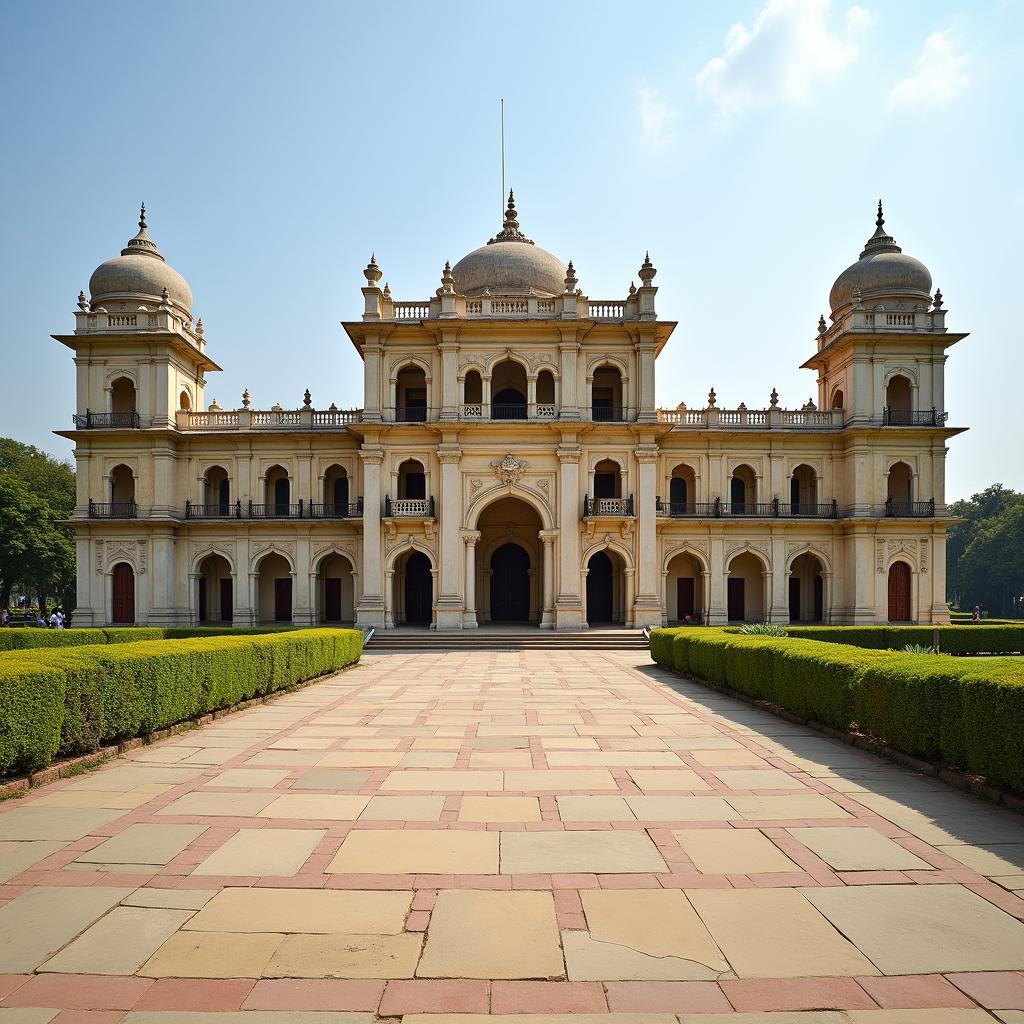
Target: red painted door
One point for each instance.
(899, 592)
(736, 599)
(282, 600)
(123, 583)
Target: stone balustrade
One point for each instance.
(753, 419)
(267, 419)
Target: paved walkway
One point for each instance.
(507, 833)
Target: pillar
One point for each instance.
(450, 399)
(371, 379)
(371, 611)
(389, 592)
(568, 349)
(568, 604)
(449, 606)
(645, 348)
(547, 616)
(469, 619)
(193, 597)
(647, 603)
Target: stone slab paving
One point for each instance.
(525, 837)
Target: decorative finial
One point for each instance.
(570, 279)
(712, 398)
(632, 288)
(822, 327)
(879, 220)
(372, 272)
(199, 326)
(880, 241)
(164, 297)
(307, 399)
(387, 290)
(937, 301)
(647, 271)
(246, 400)
(773, 399)
(214, 407)
(142, 216)
(510, 228)
(83, 302)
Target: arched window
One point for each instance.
(899, 490)
(743, 491)
(411, 395)
(606, 395)
(122, 486)
(412, 481)
(217, 491)
(682, 490)
(546, 408)
(899, 394)
(122, 396)
(278, 490)
(473, 391)
(336, 492)
(184, 402)
(837, 399)
(803, 491)
(607, 479)
(508, 391)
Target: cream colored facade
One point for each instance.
(510, 463)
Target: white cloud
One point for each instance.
(940, 75)
(792, 48)
(657, 119)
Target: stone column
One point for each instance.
(568, 605)
(547, 617)
(485, 396)
(372, 352)
(253, 599)
(450, 401)
(647, 603)
(645, 347)
(568, 348)
(706, 592)
(302, 606)
(193, 597)
(370, 611)
(826, 597)
(717, 610)
(629, 612)
(469, 619)
(449, 606)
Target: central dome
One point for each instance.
(510, 264)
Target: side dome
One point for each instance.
(882, 270)
(139, 273)
(510, 264)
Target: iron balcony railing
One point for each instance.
(411, 414)
(221, 510)
(910, 509)
(508, 411)
(113, 509)
(913, 417)
(277, 510)
(408, 508)
(774, 509)
(607, 506)
(607, 414)
(94, 420)
(351, 510)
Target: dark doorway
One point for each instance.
(123, 604)
(794, 598)
(340, 496)
(685, 604)
(419, 590)
(223, 496)
(899, 592)
(508, 404)
(605, 485)
(332, 599)
(282, 496)
(794, 495)
(736, 599)
(227, 604)
(282, 600)
(203, 610)
(599, 588)
(510, 584)
(819, 599)
(738, 492)
(677, 491)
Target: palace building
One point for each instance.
(510, 463)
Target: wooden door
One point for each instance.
(283, 599)
(599, 588)
(794, 598)
(510, 584)
(332, 599)
(685, 602)
(227, 608)
(204, 611)
(899, 592)
(736, 598)
(123, 604)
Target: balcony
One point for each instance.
(614, 507)
(107, 420)
(775, 418)
(909, 509)
(113, 510)
(410, 414)
(476, 412)
(719, 509)
(608, 414)
(352, 510)
(268, 419)
(274, 510)
(913, 417)
(225, 510)
(408, 508)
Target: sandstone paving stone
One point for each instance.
(499, 808)
(247, 1017)
(612, 758)
(681, 808)
(26, 1015)
(579, 851)
(332, 779)
(477, 934)
(403, 808)
(342, 955)
(547, 1018)
(500, 759)
(758, 778)
(285, 758)
(212, 955)
(735, 755)
(419, 851)
(49, 823)
(124, 801)
(248, 778)
(594, 808)
(808, 807)
(360, 759)
(776, 933)
(550, 780)
(38, 922)
(651, 780)
(736, 851)
(16, 857)
(270, 851)
(120, 776)
(923, 929)
(201, 804)
(996, 859)
(857, 849)
(438, 780)
(143, 843)
(314, 911)
(119, 943)
(170, 899)
(316, 807)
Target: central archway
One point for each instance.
(507, 573)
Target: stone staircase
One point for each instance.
(502, 639)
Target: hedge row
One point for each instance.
(969, 714)
(982, 639)
(27, 638)
(73, 700)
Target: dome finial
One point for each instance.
(880, 241)
(142, 216)
(142, 244)
(879, 220)
(510, 228)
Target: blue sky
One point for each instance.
(744, 144)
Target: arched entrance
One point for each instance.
(605, 589)
(510, 584)
(414, 585)
(507, 563)
(336, 596)
(806, 589)
(684, 589)
(274, 589)
(900, 604)
(122, 605)
(745, 589)
(215, 600)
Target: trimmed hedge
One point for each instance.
(73, 700)
(30, 637)
(969, 714)
(981, 639)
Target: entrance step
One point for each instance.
(392, 640)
